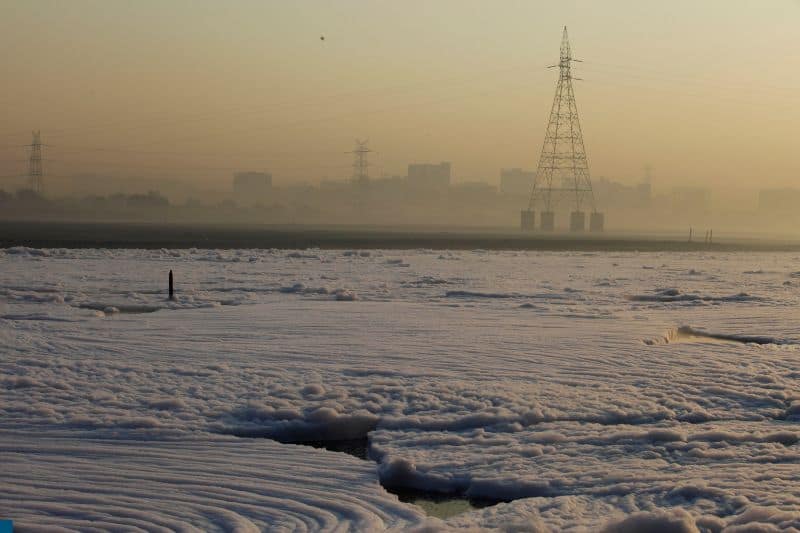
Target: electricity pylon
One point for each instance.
(563, 169)
(360, 163)
(35, 163)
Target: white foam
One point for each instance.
(505, 389)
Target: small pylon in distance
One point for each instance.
(360, 162)
(35, 172)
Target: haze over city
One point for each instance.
(199, 90)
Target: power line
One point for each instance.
(136, 166)
(162, 118)
(657, 74)
(275, 126)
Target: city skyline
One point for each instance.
(253, 95)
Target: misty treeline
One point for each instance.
(299, 205)
(381, 203)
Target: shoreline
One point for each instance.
(150, 236)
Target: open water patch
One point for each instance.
(441, 505)
(358, 447)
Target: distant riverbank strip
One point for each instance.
(149, 236)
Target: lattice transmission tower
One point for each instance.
(360, 162)
(563, 171)
(35, 173)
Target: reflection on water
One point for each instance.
(433, 503)
(438, 504)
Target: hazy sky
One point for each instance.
(704, 91)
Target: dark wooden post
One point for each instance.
(171, 289)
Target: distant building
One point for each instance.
(778, 200)
(691, 200)
(327, 185)
(151, 199)
(393, 183)
(612, 194)
(476, 187)
(516, 181)
(644, 192)
(429, 176)
(478, 192)
(251, 187)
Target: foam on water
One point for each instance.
(505, 387)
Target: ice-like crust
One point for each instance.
(508, 389)
(197, 484)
